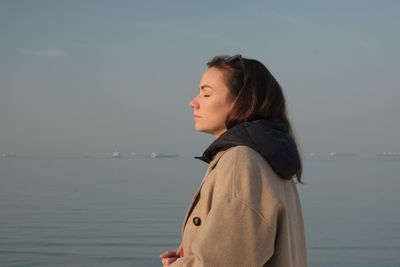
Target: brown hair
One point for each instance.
(257, 95)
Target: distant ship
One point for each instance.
(115, 155)
(389, 154)
(154, 155)
(341, 154)
(104, 155)
(8, 155)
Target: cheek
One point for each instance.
(217, 109)
(221, 111)
(224, 107)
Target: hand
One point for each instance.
(168, 257)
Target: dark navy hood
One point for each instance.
(267, 137)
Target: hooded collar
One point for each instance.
(268, 137)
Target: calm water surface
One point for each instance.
(125, 212)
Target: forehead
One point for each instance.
(212, 77)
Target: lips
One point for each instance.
(196, 116)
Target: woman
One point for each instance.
(246, 211)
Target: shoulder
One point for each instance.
(242, 157)
(251, 178)
(225, 168)
(235, 152)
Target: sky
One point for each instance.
(79, 77)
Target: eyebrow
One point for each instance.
(205, 86)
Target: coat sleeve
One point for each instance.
(234, 233)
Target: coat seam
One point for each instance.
(244, 202)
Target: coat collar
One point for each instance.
(268, 137)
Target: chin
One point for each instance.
(201, 129)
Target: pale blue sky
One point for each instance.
(93, 76)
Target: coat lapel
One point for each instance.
(196, 196)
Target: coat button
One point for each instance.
(196, 221)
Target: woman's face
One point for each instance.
(213, 103)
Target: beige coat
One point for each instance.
(243, 214)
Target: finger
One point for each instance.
(168, 254)
(167, 261)
(165, 254)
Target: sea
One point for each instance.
(77, 211)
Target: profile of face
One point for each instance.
(213, 103)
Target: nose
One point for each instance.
(194, 104)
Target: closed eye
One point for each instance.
(205, 90)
